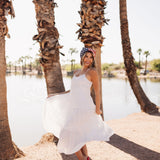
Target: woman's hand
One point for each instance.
(98, 111)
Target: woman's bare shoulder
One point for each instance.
(92, 71)
(92, 74)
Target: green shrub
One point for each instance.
(77, 66)
(105, 66)
(116, 67)
(67, 67)
(136, 63)
(138, 72)
(155, 64)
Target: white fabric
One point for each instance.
(71, 117)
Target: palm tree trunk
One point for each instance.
(15, 68)
(8, 150)
(49, 46)
(139, 62)
(92, 20)
(146, 105)
(145, 71)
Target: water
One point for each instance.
(26, 96)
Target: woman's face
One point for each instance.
(88, 59)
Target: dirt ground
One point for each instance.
(137, 137)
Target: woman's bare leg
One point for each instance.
(84, 150)
(80, 155)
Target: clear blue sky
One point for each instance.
(144, 29)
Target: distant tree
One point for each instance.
(38, 66)
(117, 67)
(25, 62)
(30, 62)
(77, 66)
(10, 66)
(72, 51)
(136, 64)
(20, 61)
(15, 66)
(155, 64)
(139, 51)
(105, 66)
(146, 53)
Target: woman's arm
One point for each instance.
(95, 82)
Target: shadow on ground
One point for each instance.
(137, 151)
(69, 157)
(127, 146)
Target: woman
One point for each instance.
(73, 117)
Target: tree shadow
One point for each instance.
(137, 151)
(127, 146)
(69, 157)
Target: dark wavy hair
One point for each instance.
(93, 64)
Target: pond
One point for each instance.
(26, 95)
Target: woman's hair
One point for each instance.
(93, 63)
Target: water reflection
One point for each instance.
(26, 94)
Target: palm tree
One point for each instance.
(30, 63)
(139, 51)
(15, 66)
(20, 60)
(92, 20)
(38, 67)
(72, 51)
(25, 58)
(7, 150)
(146, 53)
(49, 46)
(146, 105)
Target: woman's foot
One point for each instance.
(87, 158)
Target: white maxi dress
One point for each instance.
(72, 118)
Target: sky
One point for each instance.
(144, 30)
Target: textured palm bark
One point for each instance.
(8, 150)
(92, 20)
(49, 46)
(146, 105)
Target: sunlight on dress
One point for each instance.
(72, 118)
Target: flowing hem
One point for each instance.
(78, 147)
